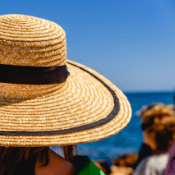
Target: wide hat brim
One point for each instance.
(87, 107)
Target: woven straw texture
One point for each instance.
(80, 100)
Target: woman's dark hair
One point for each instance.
(69, 152)
(21, 160)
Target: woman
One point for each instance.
(47, 100)
(158, 124)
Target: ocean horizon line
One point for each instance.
(149, 91)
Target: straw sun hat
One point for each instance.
(47, 100)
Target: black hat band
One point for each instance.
(33, 75)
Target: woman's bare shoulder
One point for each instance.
(57, 165)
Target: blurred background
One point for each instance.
(129, 42)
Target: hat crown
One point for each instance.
(31, 41)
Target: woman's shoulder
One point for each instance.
(57, 165)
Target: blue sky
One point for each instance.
(129, 42)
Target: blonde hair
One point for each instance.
(159, 118)
(152, 114)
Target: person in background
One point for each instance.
(158, 125)
(47, 100)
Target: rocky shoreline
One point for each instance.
(122, 165)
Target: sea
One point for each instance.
(128, 140)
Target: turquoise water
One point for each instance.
(130, 138)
